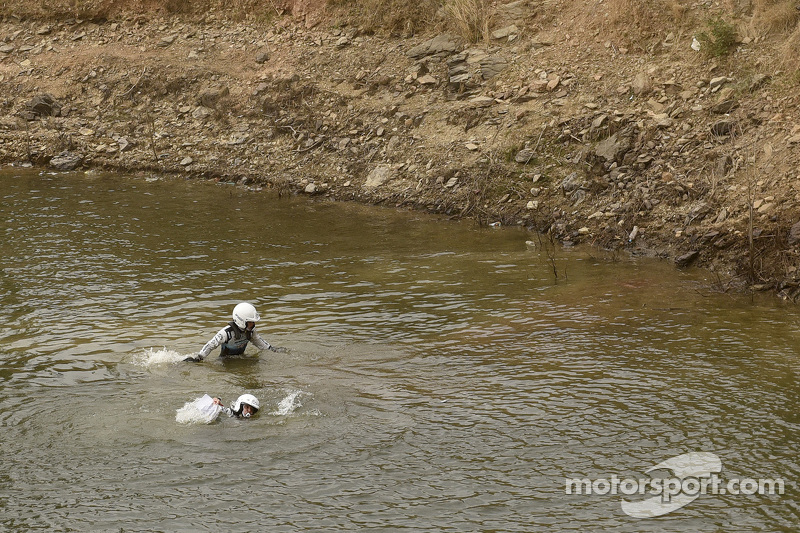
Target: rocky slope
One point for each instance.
(555, 124)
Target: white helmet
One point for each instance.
(248, 399)
(244, 313)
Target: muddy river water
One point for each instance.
(438, 377)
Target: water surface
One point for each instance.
(438, 377)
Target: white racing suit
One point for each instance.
(229, 411)
(233, 341)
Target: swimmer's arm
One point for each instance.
(261, 344)
(226, 410)
(215, 341)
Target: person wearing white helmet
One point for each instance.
(245, 406)
(235, 337)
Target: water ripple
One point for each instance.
(437, 377)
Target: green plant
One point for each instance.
(719, 40)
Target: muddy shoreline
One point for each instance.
(652, 152)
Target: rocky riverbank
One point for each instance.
(553, 124)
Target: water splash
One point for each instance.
(198, 411)
(152, 357)
(290, 403)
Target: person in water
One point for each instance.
(245, 406)
(235, 336)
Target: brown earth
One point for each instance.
(583, 122)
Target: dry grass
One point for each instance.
(394, 17)
(790, 52)
(637, 22)
(646, 18)
(775, 16)
(471, 19)
(780, 19)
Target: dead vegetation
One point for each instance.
(646, 18)
(471, 19)
(392, 17)
(779, 20)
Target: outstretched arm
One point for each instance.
(261, 344)
(218, 339)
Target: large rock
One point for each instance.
(724, 107)
(167, 41)
(571, 183)
(209, 97)
(525, 156)
(663, 120)
(125, 144)
(687, 259)
(201, 113)
(43, 105)
(66, 161)
(509, 32)
(516, 9)
(641, 84)
(794, 234)
(613, 148)
(723, 127)
(492, 66)
(458, 73)
(441, 44)
(379, 175)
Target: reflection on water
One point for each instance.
(438, 377)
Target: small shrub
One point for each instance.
(719, 40)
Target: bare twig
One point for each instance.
(277, 11)
(309, 148)
(126, 93)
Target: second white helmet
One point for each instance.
(248, 399)
(244, 313)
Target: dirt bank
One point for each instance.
(556, 123)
